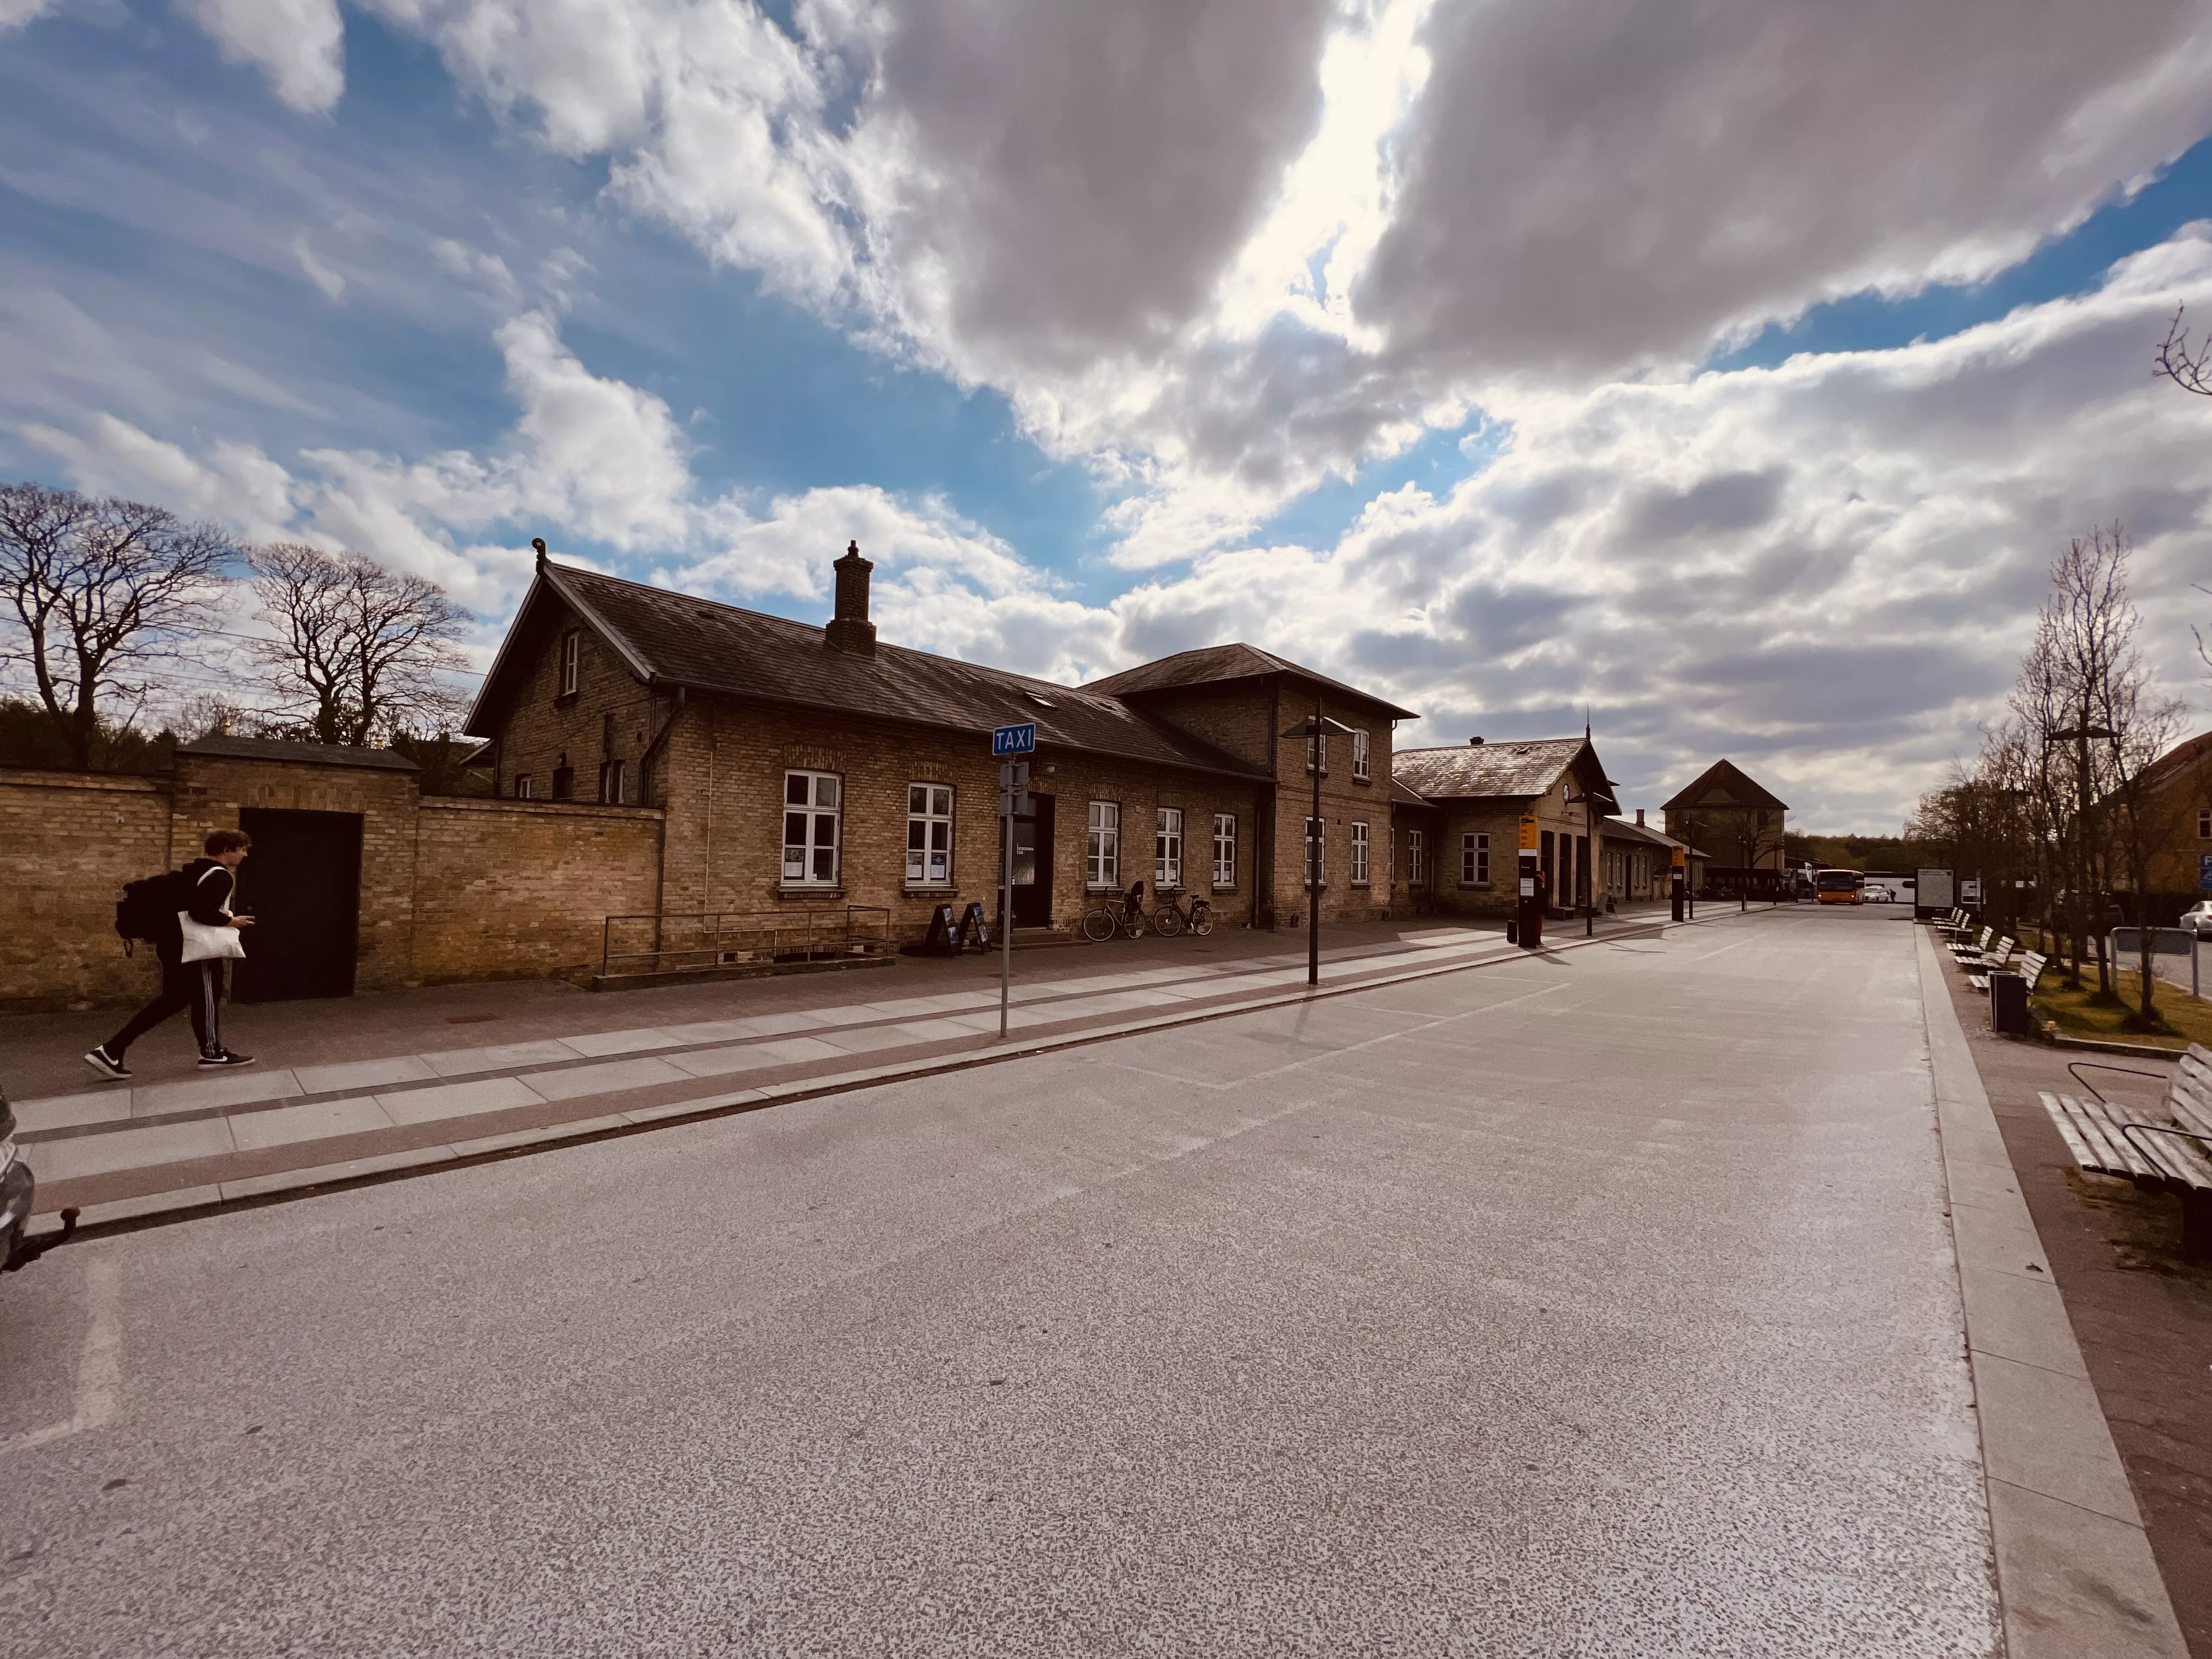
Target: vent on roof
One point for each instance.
(1041, 702)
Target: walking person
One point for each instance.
(205, 887)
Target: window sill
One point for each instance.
(810, 892)
(1476, 886)
(567, 699)
(930, 890)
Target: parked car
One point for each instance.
(2197, 919)
(1876, 892)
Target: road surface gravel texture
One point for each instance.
(1597, 1304)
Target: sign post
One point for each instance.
(1013, 783)
(1679, 882)
(1528, 907)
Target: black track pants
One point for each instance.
(197, 986)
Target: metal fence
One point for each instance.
(697, 940)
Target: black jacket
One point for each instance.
(207, 894)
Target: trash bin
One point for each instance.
(2009, 1015)
(1512, 931)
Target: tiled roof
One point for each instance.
(1481, 769)
(1621, 830)
(313, 754)
(1215, 663)
(678, 638)
(1724, 784)
(2176, 760)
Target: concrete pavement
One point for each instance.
(1601, 1302)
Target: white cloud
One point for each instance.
(300, 45)
(333, 285)
(15, 14)
(1224, 253)
(1824, 570)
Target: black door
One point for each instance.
(302, 884)
(1033, 866)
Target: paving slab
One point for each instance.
(205, 1092)
(611, 1077)
(458, 1100)
(318, 1121)
(130, 1149)
(364, 1073)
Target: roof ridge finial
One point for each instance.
(538, 542)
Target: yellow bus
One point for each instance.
(1836, 886)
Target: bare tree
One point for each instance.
(101, 591)
(2118, 723)
(360, 651)
(2191, 370)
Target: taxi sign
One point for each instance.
(1014, 740)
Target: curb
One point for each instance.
(2141, 1050)
(192, 1203)
(2074, 1571)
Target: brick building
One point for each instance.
(803, 769)
(1471, 797)
(2177, 791)
(1731, 817)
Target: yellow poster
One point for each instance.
(1529, 834)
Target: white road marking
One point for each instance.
(99, 1366)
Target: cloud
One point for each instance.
(1222, 253)
(15, 14)
(300, 45)
(1824, 570)
(333, 285)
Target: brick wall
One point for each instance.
(510, 889)
(611, 716)
(725, 777)
(210, 790)
(68, 843)
(1500, 819)
(433, 872)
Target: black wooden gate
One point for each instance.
(302, 884)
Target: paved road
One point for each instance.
(1600, 1303)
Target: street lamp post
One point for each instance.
(1586, 885)
(1314, 731)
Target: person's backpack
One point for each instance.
(149, 907)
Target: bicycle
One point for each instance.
(1171, 918)
(1124, 913)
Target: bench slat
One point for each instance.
(2102, 1126)
(2075, 1144)
(2084, 1138)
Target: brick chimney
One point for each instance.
(1639, 817)
(849, 629)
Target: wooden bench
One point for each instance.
(2169, 1155)
(1960, 948)
(1988, 961)
(2029, 967)
(1954, 924)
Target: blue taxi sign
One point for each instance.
(1014, 740)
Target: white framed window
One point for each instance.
(1358, 854)
(610, 782)
(813, 805)
(1359, 758)
(1167, 850)
(522, 786)
(1417, 856)
(1224, 849)
(928, 834)
(1474, 859)
(1317, 752)
(1318, 851)
(571, 646)
(1101, 850)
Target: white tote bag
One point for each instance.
(205, 944)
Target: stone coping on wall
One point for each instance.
(551, 808)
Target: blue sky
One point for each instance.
(699, 292)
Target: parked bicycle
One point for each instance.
(1124, 913)
(1174, 913)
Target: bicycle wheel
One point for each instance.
(1201, 919)
(1133, 923)
(1098, 926)
(1167, 919)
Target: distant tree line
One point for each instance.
(127, 629)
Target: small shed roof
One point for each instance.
(1211, 663)
(309, 754)
(1502, 770)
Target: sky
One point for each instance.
(1727, 374)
